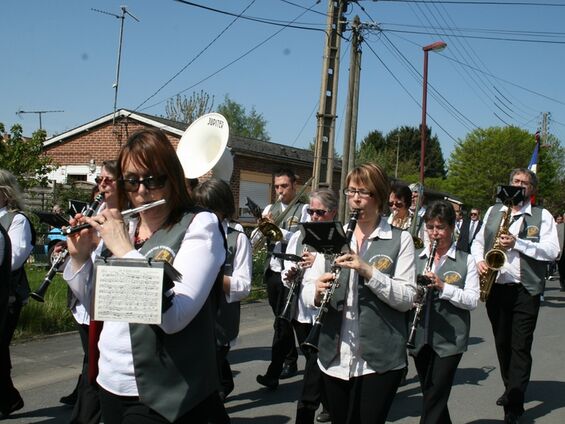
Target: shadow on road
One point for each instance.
(58, 414)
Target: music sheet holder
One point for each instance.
(53, 219)
(510, 195)
(325, 237)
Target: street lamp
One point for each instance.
(435, 47)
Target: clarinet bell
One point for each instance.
(311, 342)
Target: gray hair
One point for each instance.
(532, 174)
(326, 196)
(10, 189)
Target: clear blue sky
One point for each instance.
(61, 55)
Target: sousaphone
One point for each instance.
(203, 148)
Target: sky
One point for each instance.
(504, 62)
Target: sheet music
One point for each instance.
(128, 290)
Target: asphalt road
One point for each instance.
(46, 369)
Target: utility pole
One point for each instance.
(545, 116)
(39, 112)
(350, 132)
(325, 133)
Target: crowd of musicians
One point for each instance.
(401, 286)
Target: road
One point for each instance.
(46, 369)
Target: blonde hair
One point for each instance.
(375, 179)
(10, 189)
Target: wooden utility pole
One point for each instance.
(325, 134)
(350, 133)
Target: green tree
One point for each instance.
(484, 159)
(251, 125)
(188, 109)
(24, 157)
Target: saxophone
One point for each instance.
(495, 258)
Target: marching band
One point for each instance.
(351, 309)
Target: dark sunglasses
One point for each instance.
(319, 212)
(397, 204)
(150, 183)
(107, 180)
(474, 214)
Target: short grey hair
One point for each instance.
(326, 196)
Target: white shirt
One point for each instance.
(397, 291)
(546, 250)
(199, 260)
(240, 280)
(20, 238)
(466, 297)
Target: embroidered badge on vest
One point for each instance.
(381, 262)
(452, 277)
(164, 253)
(532, 232)
(293, 221)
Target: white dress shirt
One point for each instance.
(546, 250)
(199, 260)
(240, 280)
(20, 238)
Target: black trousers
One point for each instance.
(513, 314)
(130, 410)
(436, 378)
(361, 400)
(87, 407)
(284, 347)
(561, 268)
(224, 369)
(9, 395)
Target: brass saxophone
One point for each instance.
(495, 258)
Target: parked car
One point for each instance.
(52, 238)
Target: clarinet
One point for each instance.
(311, 342)
(39, 294)
(423, 282)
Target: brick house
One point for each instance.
(79, 154)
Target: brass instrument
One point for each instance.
(271, 229)
(495, 258)
(39, 294)
(423, 286)
(293, 289)
(311, 342)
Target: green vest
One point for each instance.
(382, 329)
(442, 325)
(532, 271)
(19, 285)
(175, 372)
(227, 319)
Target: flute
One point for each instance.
(75, 229)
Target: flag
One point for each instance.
(533, 166)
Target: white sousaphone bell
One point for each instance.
(203, 148)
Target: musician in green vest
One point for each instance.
(167, 372)
(216, 195)
(22, 238)
(362, 343)
(450, 291)
(514, 300)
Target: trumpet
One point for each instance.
(423, 283)
(293, 289)
(39, 294)
(311, 342)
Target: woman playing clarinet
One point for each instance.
(362, 343)
(442, 332)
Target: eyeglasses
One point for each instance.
(363, 194)
(104, 180)
(397, 204)
(150, 183)
(319, 212)
(473, 213)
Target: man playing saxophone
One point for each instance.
(514, 300)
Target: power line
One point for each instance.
(476, 2)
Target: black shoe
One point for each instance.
(323, 417)
(269, 382)
(69, 399)
(288, 371)
(17, 405)
(511, 418)
(502, 400)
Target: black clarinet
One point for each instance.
(39, 294)
(423, 283)
(311, 342)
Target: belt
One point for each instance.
(511, 284)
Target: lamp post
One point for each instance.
(436, 47)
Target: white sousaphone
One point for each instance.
(203, 148)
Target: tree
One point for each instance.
(484, 159)
(183, 109)
(403, 143)
(251, 125)
(24, 157)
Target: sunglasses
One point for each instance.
(107, 180)
(150, 183)
(319, 212)
(474, 214)
(397, 204)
